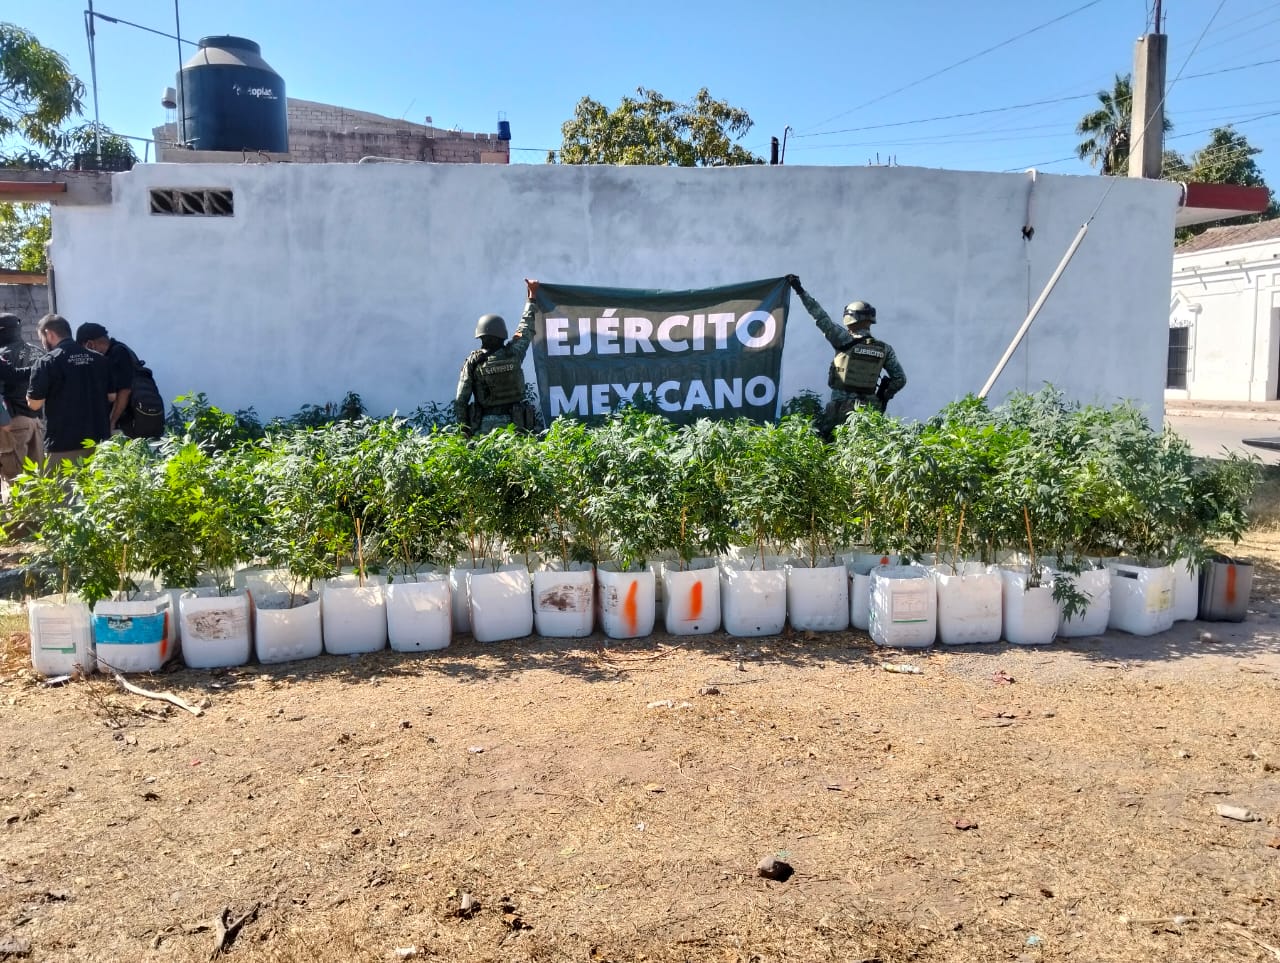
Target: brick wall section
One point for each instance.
(30, 302)
(326, 134)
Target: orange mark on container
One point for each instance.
(629, 608)
(695, 601)
(164, 638)
(1231, 584)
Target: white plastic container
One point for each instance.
(215, 629)
(1095, 585)
(420, 612)
(692, 597)
(859, 566)
(626, 601)
(564, 602)
(61, 635)
(460, 600)
(1141, 598)
(970, 603)
(133, 636)
(655, 564)
(753, 601)
(286, 626)
(1186, 591)
(1031, 616)
(501, 603)
(354, 617)
(904, 607)
(818, 597)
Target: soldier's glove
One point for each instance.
(794, 281)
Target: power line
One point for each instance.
(1227, 70)
(929, 120)
(959, 63)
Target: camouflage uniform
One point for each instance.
(514, 350)
(844, 401)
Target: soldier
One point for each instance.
(494, 377)
(25, 438)
(854, 376)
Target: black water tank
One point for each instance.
(231, 99)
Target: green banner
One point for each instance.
(706, 353)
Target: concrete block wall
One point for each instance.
(30, 302)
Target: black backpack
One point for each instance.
(144, 418)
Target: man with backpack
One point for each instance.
(492, 375)
(25, 438)
(138, 409)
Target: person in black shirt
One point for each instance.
(120, 364)
(71, 385)
(25, 438)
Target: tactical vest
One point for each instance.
(497, 379)
(857, 368)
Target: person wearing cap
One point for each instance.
(493, 374)
(120, 364)
(855, 374)
(70, 385)
(25, 437)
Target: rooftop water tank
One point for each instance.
(231, 99)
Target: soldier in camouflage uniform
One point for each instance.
(854, 376)
(493, 375)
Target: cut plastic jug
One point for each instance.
(61, 635)
(1095, 585)
(626, 601)
(904, 607)
(501, 603)
(419, 612)
(818, 597)
(692, 596)
(1225, 588)
(1031, 615)
(215, 629)
(460, 600)
(753, 600)
(286, 625)
(564, 604)
(1141, 598)
(354, 616)
(133, 636)
(970, 603)
(1186, 590)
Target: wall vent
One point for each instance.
(204, 202)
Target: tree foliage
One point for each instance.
(1107, 129)
(38, 92)
(24, 229)
(653, 129)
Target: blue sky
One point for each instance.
(835, 72)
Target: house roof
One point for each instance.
(1231, 235)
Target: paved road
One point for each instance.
(1209, 435)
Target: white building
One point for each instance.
(1224, 315)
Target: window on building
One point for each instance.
(216, 202)
(1179, 343)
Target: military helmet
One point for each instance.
(10, 322)
(493, 326)
(859, 311)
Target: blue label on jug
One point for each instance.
(129, 629)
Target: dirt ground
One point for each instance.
(611, 801)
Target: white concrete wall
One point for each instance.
(1232, 295)
(371, 277)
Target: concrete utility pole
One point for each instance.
(1146, 152)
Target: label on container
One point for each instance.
(214, 625)
(1159, 599)
(908, 607)
(54, 634)
(130, 629)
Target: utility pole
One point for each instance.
(1146, 150)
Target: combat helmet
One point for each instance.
(859, 311)
(492, 325)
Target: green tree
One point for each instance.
(652, 129)
(24, 229)
(38, 93)
(1107, 129)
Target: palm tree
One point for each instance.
(1106, 129)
